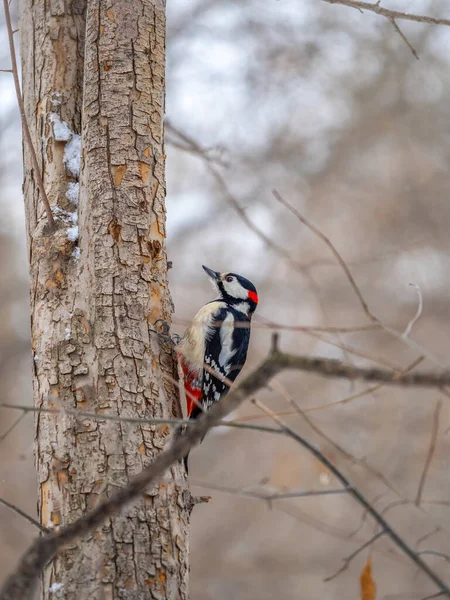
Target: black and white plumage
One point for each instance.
(218, 338)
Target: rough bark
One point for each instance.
(94, 299)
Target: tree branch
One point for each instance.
(23, 514)
(329, 367)
(20, 585)
(364, 305)
(267, 495)
(404, 38)
(390, 14)
(348, 559)
(430, 453)
(81, 414)
(361, 499)
(194, 148)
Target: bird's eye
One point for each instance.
(230, 279)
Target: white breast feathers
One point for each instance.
(226, 340)
(192, 346)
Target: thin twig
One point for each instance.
(276, 385)
(26, 129)
(435, 553)
(356, 352)
(431, 450)
(369, 390)
(427, 536)
(336, 254)
(23, 514)
(437, 595)
(266, 495)
(135, 420)
(12, 427)
(271, 325)
(233, 202)
(390, 14)
(345, 400)
(418, 311)
(414, 345)
(360, 498)
(365, 514)
(193, 146)
(348, 559)
(293, 511)
(404, 38)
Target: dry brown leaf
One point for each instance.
(368, 587)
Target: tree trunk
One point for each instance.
(98, 285)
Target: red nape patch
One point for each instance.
(253, 296)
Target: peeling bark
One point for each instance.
(95, 297)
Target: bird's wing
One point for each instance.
(191, 353)
(225, 353)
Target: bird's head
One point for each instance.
(234, 289)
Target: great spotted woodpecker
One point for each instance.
(217, 337)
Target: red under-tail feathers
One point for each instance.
(192, 388)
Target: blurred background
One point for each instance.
(330, 107)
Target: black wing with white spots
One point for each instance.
(225, 353)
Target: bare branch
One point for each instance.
(437, 595)
(327, 241)
(266, 323)
(431, 450)
(268, 495)
(418, 311)
(276, 385)
(190, 145)
(195, 148)
(26, 129)
(11, 427)
(360, 498)
(356, 352)
(404, 38)
(80, 414)
(390, 14)
(293, 511)
(435, 553)
(368, 390)
(329, 367)
(23, 514)
(20, 585)
(348, 559)
(427, 536)
(343, 264)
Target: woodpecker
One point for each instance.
(218, 337)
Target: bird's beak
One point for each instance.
(213, 274)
